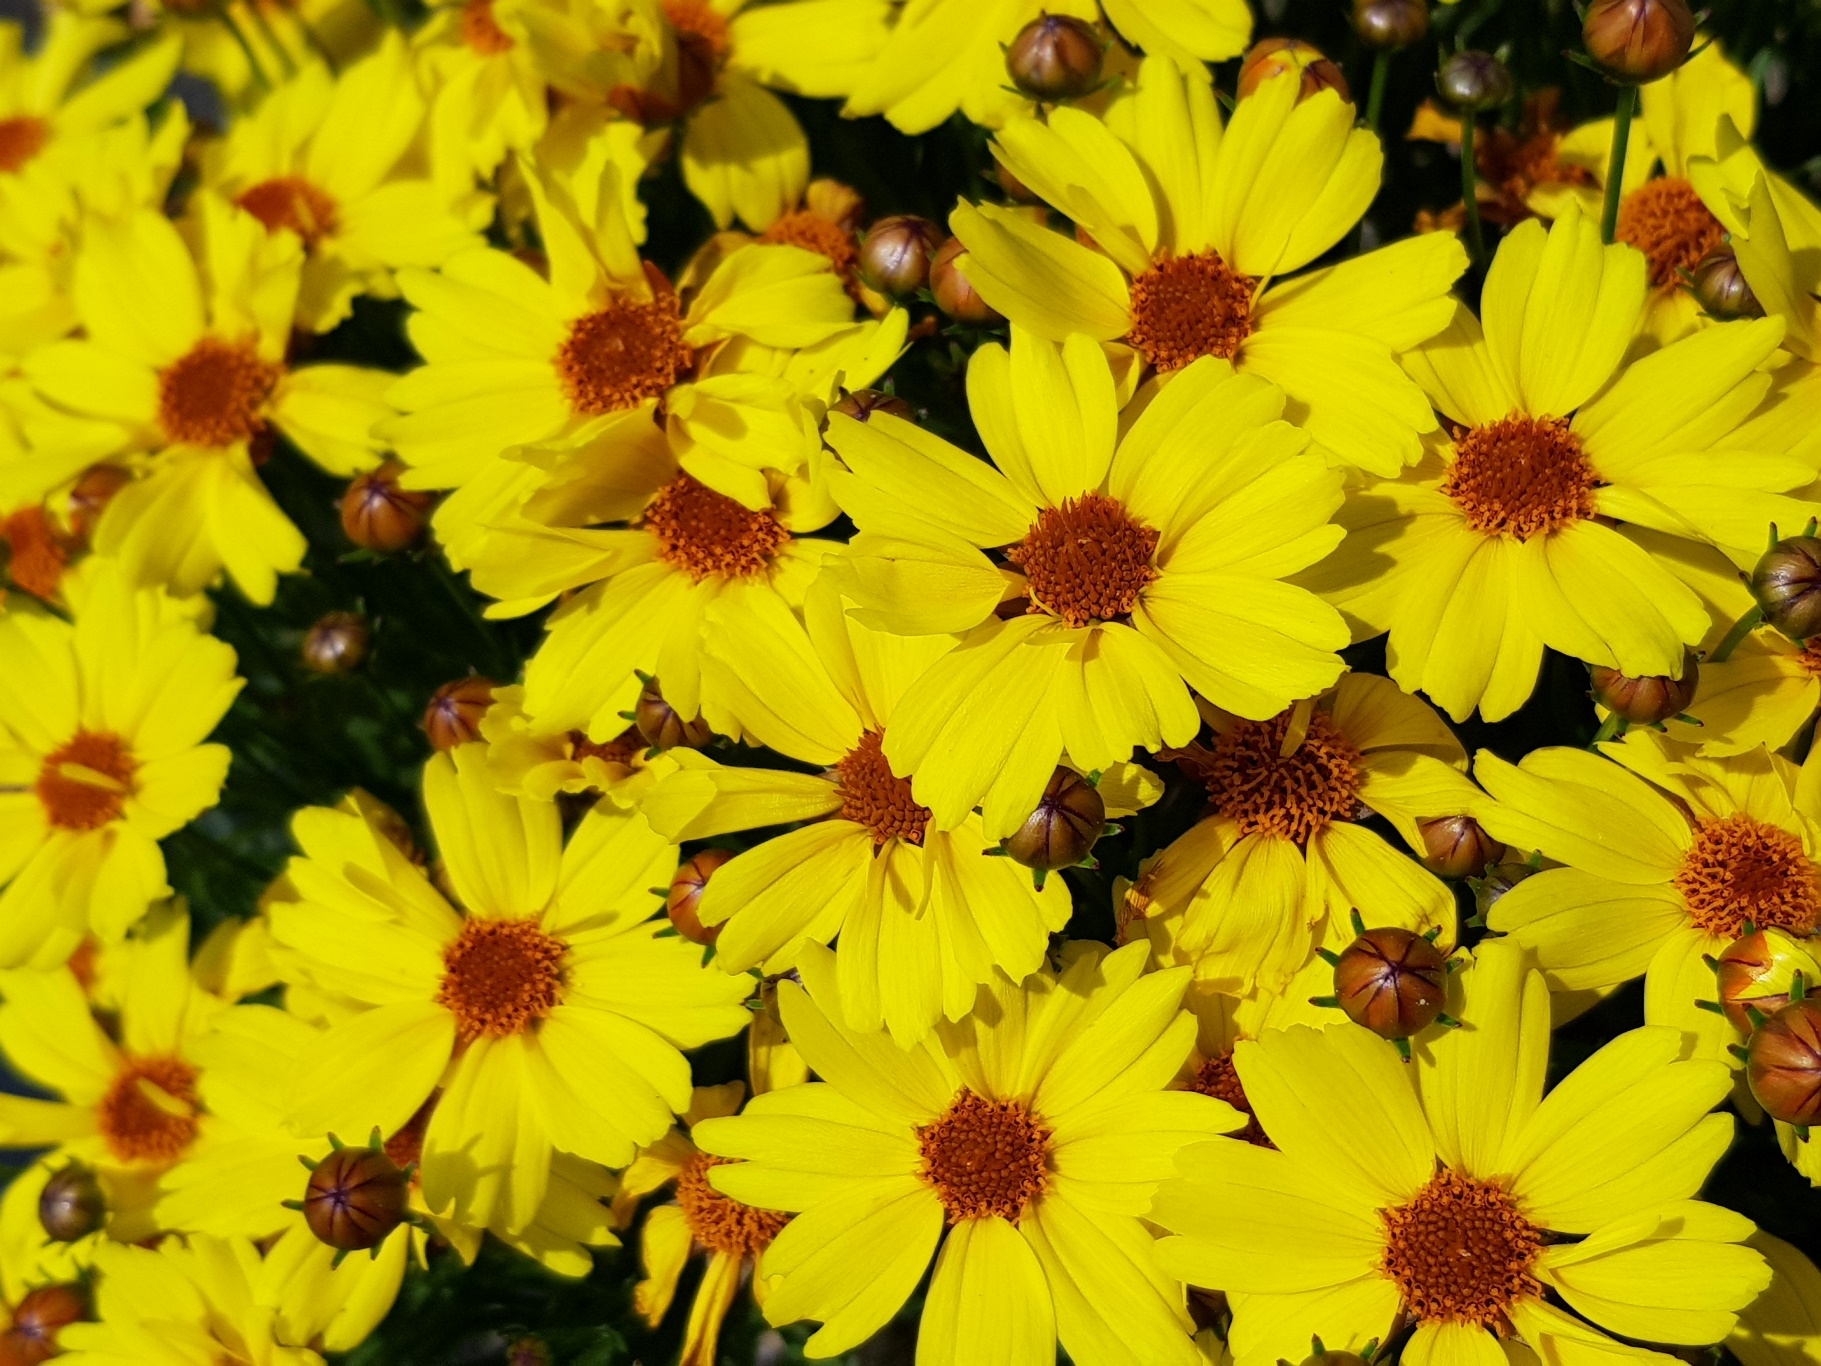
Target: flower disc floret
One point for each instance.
(1521, 476)
(1295, 795)
(873, 796)
(813, 232)
(622, 355)
(214, 393)
(481, 32)
(139, 1124)
(21, 139)
(985, 1158)
(1744, 870)
(291, 202)
(1190, 306)
(1460, 1251)
(1087, 560)
(1666, 220)
(719, 1222)
(501, 977)
(707, 534)
(83, 785)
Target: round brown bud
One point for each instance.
(1757, 972)
(863, 403)
(455, 711)
(1387, 25)
(379, 515)
(1638, 41)
(1069, 819)
(661, 726)
(92, 493)
(1787, 585)
(1783, 1063)
(1015, 189)
(684, 900)
(1392, 981)
(1458, 846)
(1335, 1359)
(1645, 701)
(1474, 81)
(896, 252)
(355, 1197)
(1721, 288)
(1274, 57)
(1055, 57)
(71, 1205)
(953, 293)
(39, 1318)
(336, 643)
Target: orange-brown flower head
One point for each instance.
(660, 724)
(684, 900)
(1273, 57)
(455, 711)
(1721, 288)
(379, 515)
(38, 1319)
(1787, 585)
(1644, 701)
(1055, 57)
(1392, 981)
(863, 403)
(1070, 817)
(91, 494)
(336, 643)
(1783, 1063)
(1458, 846)
(1474, 81)
(953, 294)
(1387, 25)
(1757, 972)
(896, 253)
(215, 394)
(355, 1197)
(72, 1204)
(21, 139)
(1638, 41)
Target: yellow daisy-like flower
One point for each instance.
(1193, 227)
(549, 1008)
(1247, 894)
(102, 723)
(488, 95)
(923, 918)
(1571, 484)
(1033, 1133)
(1464, 1202)
(1099, 576)
(1667, 858)
(527, 764)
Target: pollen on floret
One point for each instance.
(1461, 1251)
(36, 555)
(501, 977)
(1218, 1077)
(706, 534)
(700, 21)
(1087, 560)
(84, 783)
(291, 202)
(811, 231)
(21, 139)
(624, 354)
(1187, 307)
(1297, 795)
(1741, 871)
(719, 1222)
(873, 796)
(148, 1114)
(1666, 220)
(985, 1158)
(481, 32)
(1521, 476)
(214, 393)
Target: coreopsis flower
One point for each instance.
(1019, 1147)
(488, 95)
(327, 159)
(1574, 1205)
(1250, 891)
(548, 1006)
(102, 723)
(1194, 227)
(527, 764)
(1570, 483)
(923, 918)
(1096, 577)
(1666, 857)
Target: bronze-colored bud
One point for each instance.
(355, 1197)
(1458, 846)
(455, 711)
(954, 295)
(1070, 817)
(379, 515)
(72, 1204)
(1392, 981)
(863, 403)
(91, 494)
(1499, 879)
(1787, 585)
(1474, 81)
(1274, 57)
(1783, 1063)
(1638, 41)
(1335, 1359)
(1387, 25)
(1015, 189)
(1721, 288)
(337, 643)
(684, 900)
(660, 725)
(1055, 57)
(896, 252)
(1645, 701)
(1757, 972)
(38, 1319)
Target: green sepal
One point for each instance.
(1447, 1021)
(310, 1164)
(1756, 1016)
(1798, 988)
(1359, 924)
(1329, 957)
(336, 1143)
(376, 1140)
(1325, 1001)
(293, 1204)
(1403, 1048)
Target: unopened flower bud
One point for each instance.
(1638, 41)
(337, 643)
(1474, 81)
(1069, 819)
(954, 295)
(1787, 586)
(660, 724)
(1015, 189)
(1387, 25)
(355, 1197)
(71, 1205)
(1291, 56)
(1458, 846)
(1757, 972)
(1499, 879)
(895, 255)
(1392, 981)
(1721, 288)
(1645, 701)
(379, 515)
(91, 494)
(1335, 1359)
(1783, 1063)
(455, 711)
(863, 403)
(1055, 57)
(38, 1319)
(684, 901)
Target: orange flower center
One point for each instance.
(1461, 1252)
(291, 202)
(622, 749)
(1295, 796)
(149, 1113)
(1521, 476)
(874, 796)
(1666, 220)
(36, 555)
(84, 784)
(695, 19)
(985, 1158)
(21, 139)
(213, 395)
(1187, 307)
(708, 535)
(501, 977)
(815, 233)
(623, 355)
(719, 1222)
(480, 32)
(1218, 1077)
(1744, 870)
(1087, 560)
(1809, 657)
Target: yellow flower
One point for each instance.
(923, 918)
(1667, 859)
(527, 764)
(549, 1009)
(1035, 1130)
(1376, 1186)
(1247, 894)
(488, 95)
(1782, 1327)
(1193, 517)
(243, 45)
(1571, 484)
(1195, 225)
(101, 756)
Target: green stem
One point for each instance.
(1740, 629)
(463, 599)
(1615, 165)
(1608, 728)
(1470, 198)
(1375, 99)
